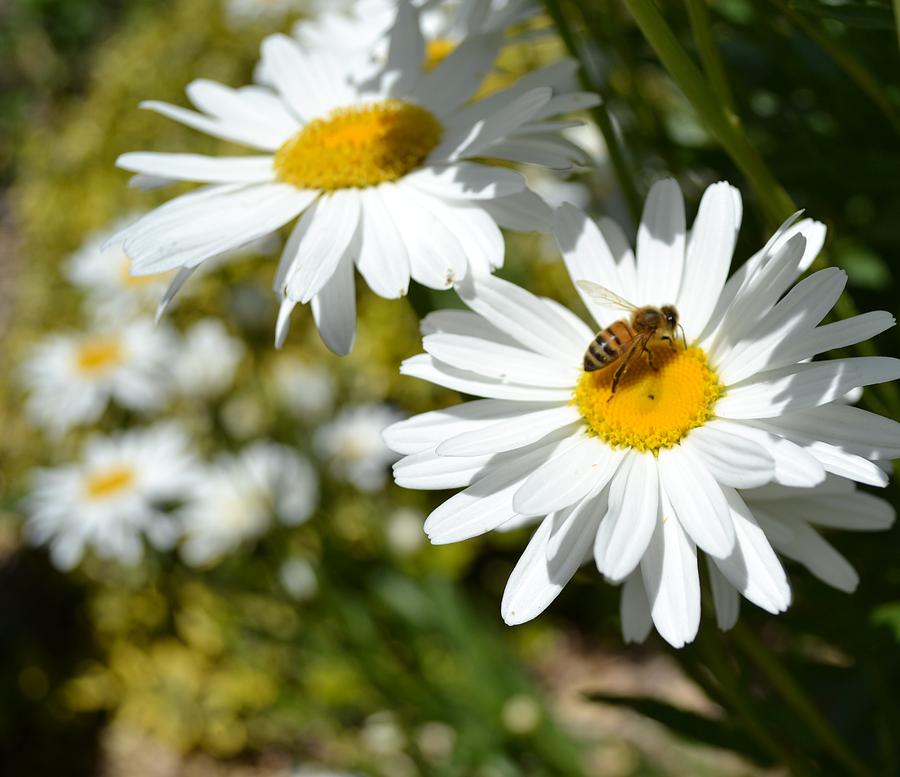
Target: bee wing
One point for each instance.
(604, 296)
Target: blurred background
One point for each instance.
(322, 634)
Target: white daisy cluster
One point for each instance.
(691, 415)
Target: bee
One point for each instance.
(622, 340)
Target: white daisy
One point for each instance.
(790, 518)
(241, 13)
(388, 173)
(72, 377)
(305, 390)
(641, 478)
(354, 446)
(239, 495)
(103, 271)
(207, 360)
(116, 494)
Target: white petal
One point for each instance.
(807, 547)
(523, 429)
(181, 277)
(538, 579)
(247, 133)
(406, 50)
(697, 500)
(382, 260)
(522, 212)
(465, 324)
(249, 104)
(588, 258)
(631, 517)
(499, 361)
(576, 471)
(804, 386)
(466, 181)
(436, 257)
(855, 511)
(426, 470)
(797, 313)
(523, 316)
(733, 459)
(725, 597)
(476, 232)
(660, 245)
(669, 571)
(488, 502)
(456, 79)
(425, 367)
(708, 259)
(195, 167)
(427, 430)
(845, 464)
(324, 235)
(634, 609)
(199, 225)
(334, 309)
(753, 568)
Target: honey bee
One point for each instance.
(622, 340)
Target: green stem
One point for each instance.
(718, 120)
(600, 114)
(698, 13)
(732, 691)
(781, 679)
(854, 69)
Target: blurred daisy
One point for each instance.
(642, 476)
(790, 519)
(388, 172)
(71, 378)
(207, 360)
(239, 496)
(242, 13)
(113, 497)
(298, 577)
(102, 270)
(305, 390)
(354, 446)
(363, 25)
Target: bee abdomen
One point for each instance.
(606, 347)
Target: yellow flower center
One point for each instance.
(97, 356)
(436, 51)
(109, 482)
(359, 146)
(652, 408)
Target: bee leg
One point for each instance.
(671, 342)
(619, 373)
(649, 358)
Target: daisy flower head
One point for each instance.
(354, 447)
(638, 464)
(387, 173)
(207, 360)
(113, 497)
(71, 378)
(240, 494)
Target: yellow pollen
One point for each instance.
(358, 147)
(651, 409)
(108, 482)
(96, 356)
(436, 51)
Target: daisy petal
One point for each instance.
(466, 181)
(669, 571)
(585, 466)
(524, 429)
(634, 609)
(660, 244)
(726, 600)
(195, 167)
(523, 212)
(382, 259)
(697, 500)
(631, 518)
(733, 459)
(324, 234)
(334, 309)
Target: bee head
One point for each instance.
(671, 317)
